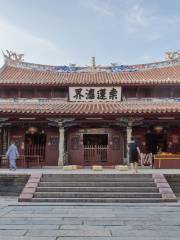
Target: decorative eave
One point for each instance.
(90, 109)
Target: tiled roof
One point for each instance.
(11, 75)
(89, 109)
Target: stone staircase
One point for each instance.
(174, 182)
(97, 188)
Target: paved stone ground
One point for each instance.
(33, 221)
(57, 170)
(88, 222)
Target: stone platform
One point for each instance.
(123, 186)
(97, 188)
(90, 222)
(58, 170)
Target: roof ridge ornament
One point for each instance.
(93, 67)
(172, 55)
(94, 62)
(11, 56)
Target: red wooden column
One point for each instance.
(1, 140)
(61, 144)
(129, 135)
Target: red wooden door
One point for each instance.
(75, 148)
(116, 147)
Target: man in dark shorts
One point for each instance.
(134, 151)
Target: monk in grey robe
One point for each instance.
(12, 154)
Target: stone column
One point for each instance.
(129, 135)
(1, 140)
(61, 145)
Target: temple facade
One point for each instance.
(60, 115)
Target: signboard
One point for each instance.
(91, 94)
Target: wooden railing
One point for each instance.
(35, 150)
(32, 156)
(24, 161)
(95, 153)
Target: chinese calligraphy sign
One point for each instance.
(84, 94)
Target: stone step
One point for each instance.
(174, 185)
(101, 200)
(97, 179)
(97, 175)
(15, 184)
(95, 195)
(13, 176)
(176, 189)
(16, 176)
(17, 189)
(10, 194)
(97, 189)
(97, 184)
(172, 176)
(174, 181)
(13, 179)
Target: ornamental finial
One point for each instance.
(13, 56)
(93, 62)
(172, 55)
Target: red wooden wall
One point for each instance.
(28, 92)
(127, 92)
(52, 143)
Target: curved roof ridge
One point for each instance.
(111, 68)
(23, 76)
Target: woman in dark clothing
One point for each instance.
(134, 151)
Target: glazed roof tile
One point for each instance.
(89, 109)
(17, 74)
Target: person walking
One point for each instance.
(12, 154)
(134, 151)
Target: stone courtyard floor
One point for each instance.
(57, 170)
(25, 221)
(88, 221)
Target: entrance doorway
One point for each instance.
(95, 148)
(156, 142)
(91, 146)
(35, 149)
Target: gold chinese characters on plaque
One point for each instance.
(90, 94)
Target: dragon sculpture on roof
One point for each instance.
(10, 55)
(172, 55)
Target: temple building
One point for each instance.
(60, 115)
